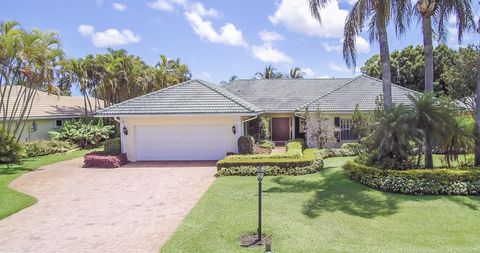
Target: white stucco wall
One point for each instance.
(310, 141)
(129, 142)
(43, 127)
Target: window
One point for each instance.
(58, 123)
(346, 132)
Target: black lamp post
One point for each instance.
(260, 174)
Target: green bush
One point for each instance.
(310, 162)
(10, 150)
(354, 147)
(246, 145)
(84, 135)
(47, 147)
(112, 146)
(464, 181)
(267, 144)
(295, 144)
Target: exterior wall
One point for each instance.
(129, 142)
(310, 141)
(43, 127)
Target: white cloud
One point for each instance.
(269, 36)
(228, 34)
(308, 72)
(362, 45)
(85, 30)
(119, 6)
(295, 16)
(110, 37)
(266, 53)
(165, 5)
(350, 2)
(202, 11)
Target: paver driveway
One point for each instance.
(130, 209)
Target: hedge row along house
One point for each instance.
(197, 120)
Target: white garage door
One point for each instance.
(181, 142)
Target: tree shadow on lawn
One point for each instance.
(14, 168)
(335, 192)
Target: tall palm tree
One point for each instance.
(439, 11)
(378, 14)
(296, 73)
(269, 73)
(477, 106)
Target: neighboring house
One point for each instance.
(48, 113)
(196, 120)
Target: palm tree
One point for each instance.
(377, 13)
(230, 79)
(439, 11)
(296, 73)
(435, 117)
(477, 106)
(269, 73)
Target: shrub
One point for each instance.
(101, 160)
(295, 144)
(85, 135)
(112, 146)
(355, 148)
(245, 145)
(311, 162)
(10, 150)
(465, 181)
(47, 147)
(266, 144)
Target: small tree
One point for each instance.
(362, 123)
(318, 126)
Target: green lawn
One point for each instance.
(12, 201)
(327, 212)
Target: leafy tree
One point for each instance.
(435, 118)
(361, 123)
(296, 73)
(376, 15)
(269, 73)
(29, 61)
(439, 12)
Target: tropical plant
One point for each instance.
(29, 62)
(85, 135)
(269, 73)
(377, 13)
(439, 12)
(477, 106)
(361, 123)
(10, 151)
(46, 147)
(459, 139)
(295, 73)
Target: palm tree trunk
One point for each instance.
(428, 153)
(428, 51)
(477, 115)
(385, 60)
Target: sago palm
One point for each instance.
(438, 12)
(376, 15)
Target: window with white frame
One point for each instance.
(345, 126)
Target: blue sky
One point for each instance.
(215, 38)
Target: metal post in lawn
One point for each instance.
(260, 174)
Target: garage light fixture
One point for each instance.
(125, 130)
(234, 130)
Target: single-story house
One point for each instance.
(48, 113)
(196, 120)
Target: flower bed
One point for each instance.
(102, 160)
(462, 181)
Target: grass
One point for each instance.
(12, 201)
(327, 212)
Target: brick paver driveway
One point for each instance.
(131, 209)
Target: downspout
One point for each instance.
(122, 135)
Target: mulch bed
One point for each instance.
(251, 240)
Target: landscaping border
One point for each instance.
(441, 181)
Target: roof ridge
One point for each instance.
(393, 84)
(322, 96)
(144, 95)
(227, 94)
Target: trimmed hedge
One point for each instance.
(112, 146)
(102, 160)
(462, 181)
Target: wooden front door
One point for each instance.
(280, 129)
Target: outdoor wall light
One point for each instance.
(125, 130)
(34, 126)
(234, 130)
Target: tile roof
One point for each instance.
(362, 90)
(276, 95)
(49, 106)
(190, 97)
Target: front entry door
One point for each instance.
(280, 129)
